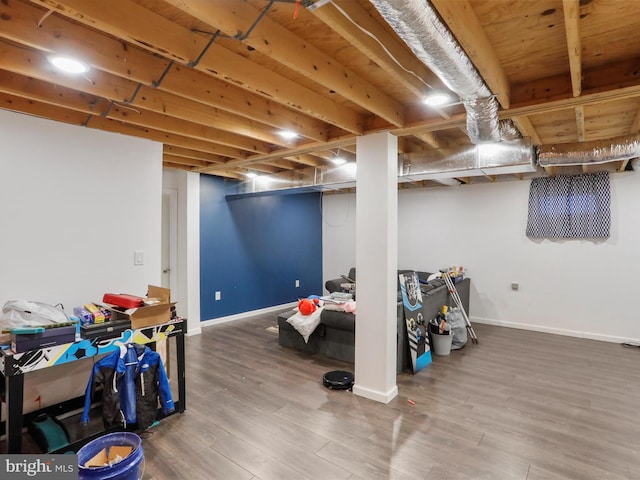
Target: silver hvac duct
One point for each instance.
(508, 131)
(468, 162)
(317, 179)
(590, 153)
(418, 24)
(430, 165)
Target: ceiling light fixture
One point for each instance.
(338, 159)
(68, 64)
(288, 134)
(436, 99)
(251, 175)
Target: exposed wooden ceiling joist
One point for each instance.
(56, 34)
(571, 10)
(178, 160)
(635, 126)
(193, 154)
(562, 71)
(463, 23)
(526, 128)
(152, 32)
(274, 40)
(582, 136)
(351, 21)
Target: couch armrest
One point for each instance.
(334, 285)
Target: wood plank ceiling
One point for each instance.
(216, 80)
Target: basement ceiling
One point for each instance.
(216, 80)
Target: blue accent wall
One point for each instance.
(253, 249)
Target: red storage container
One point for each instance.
(123, 300)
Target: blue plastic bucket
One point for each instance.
(127, 469)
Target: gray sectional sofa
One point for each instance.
(335, 335)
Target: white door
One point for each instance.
(170, 241)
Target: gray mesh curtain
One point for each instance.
(569, 206)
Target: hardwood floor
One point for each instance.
(519, 405)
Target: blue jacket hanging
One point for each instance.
(133, 379)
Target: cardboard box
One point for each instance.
(147, 315)
(49, 338)
(115, 455)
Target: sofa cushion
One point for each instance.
(339, 320)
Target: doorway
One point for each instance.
(169, 247)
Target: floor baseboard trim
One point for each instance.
(381, 397)
(555, 331)
(242, 315)
(194, 331)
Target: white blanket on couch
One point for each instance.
(305, 324)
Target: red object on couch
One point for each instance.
(307, 306)
(123, 300)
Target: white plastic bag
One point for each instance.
(24, 313)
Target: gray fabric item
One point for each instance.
(458, 325)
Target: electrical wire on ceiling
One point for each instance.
(313, 6)
(243, 36)
(44, 17)
(386, 50)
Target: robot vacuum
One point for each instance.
(338, 380)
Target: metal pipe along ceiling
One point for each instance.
(590, 153)
(418, 24)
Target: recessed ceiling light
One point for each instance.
(68, 64)
(288, 134)
(435, 99)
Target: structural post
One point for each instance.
(376, 266)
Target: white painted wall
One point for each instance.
(579, 288)
(338, 235)
(188, 300)
(75, 203)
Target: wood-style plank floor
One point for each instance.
(519, 405)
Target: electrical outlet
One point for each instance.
(297, 283)
(218, 295)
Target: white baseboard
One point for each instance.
(240, 316)
(194, 331)
(555, 331)
(382, 397)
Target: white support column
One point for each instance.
(376, 266)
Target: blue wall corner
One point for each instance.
(253, 249)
